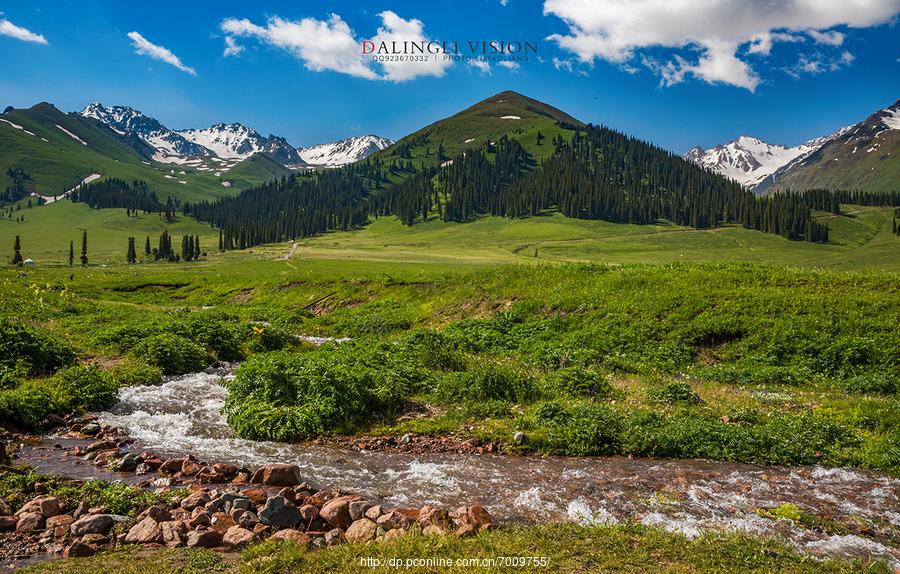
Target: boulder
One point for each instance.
(297, 536)
(46, 506)
(395, 533)
(281, 475)
(173, 533)
(128, 463)
(224, 469)
(361, 530)
(374, 512)
(190, 468)
(60, 521)
(221, 521)
(146, 531)
(8, 523)
(171, 466)
(157, 513)
(79, 550)
(248, 519)
(256, 495)
(238, 536)
(479, 516)
(195, 499)
(334, 537)
(358, 509)
(308, 513)
(279, 513)
(227, 500)
(93, 524)
(393, 519)
(431, 515)
(203, 539)
(29, 521)
(336, 512)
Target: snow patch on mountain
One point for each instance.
(891, 117)
(70, 134)
(344, 151)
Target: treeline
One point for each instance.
(829, 200)
(114, 192)
(18, 186)
(287, 209)
(190, 249)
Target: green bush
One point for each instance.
(75, 389)
(135, 373)
(26, 350)
(551, 413)
(175, 355)
(288, 396)
(579, 382)
(434, 350)
(219, 334)
(873, 384)
(675, 394)
(486, 383)
(269, 338)
(589, 430)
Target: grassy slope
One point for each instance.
(61, 162)
(566, 548)
(48, 229)
(254, 169)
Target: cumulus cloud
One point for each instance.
(333, 46)
(232, 48)
(145, 47)
(508, 64)
(814, 64)
(7, 28)
(482, 66)
(710, 34)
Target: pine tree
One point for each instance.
(132, 254)
(147, 246)
(17, 252)
(196, 247)
(84, 256)
(71, 253)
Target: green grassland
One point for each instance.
(563, 548)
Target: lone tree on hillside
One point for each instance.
(147, 246)
(132, 254)
(17, 252)
(84, 257)
(71, 253)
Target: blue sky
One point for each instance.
(658, 70)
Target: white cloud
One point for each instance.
(144, 47)
(562, 64)
(7, 28)
(832, 38)
(333, 46)
(396, 29)
(814, 64)
(232, 48)
(482, 66)
(716, 30)
(508, 64)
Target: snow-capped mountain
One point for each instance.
(344, 151)
(149, 137)
(229, 142)
(749, 160)
(237, 141)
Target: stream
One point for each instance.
(686, 496)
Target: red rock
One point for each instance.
(293, 535)
(228, 470)
(261, 529)
(144, 532)
(60, 521)
(190, 468)
(221, 522)
(280, 475)
(46, 506)
(203, 539)
(173, 533)
(393, 519)
(195, 499)
(29, 521)
(374, 512)
(479, 515)
(237, 536)
(8, 523)
(308, 513)
(430, 515)
(171, 466)
(256, 495)
(336, 512)
(79, 550)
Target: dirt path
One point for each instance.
(290, 254)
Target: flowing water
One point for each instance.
(686, 496)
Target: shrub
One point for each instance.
(288, 396)
(675, 394)
(269, 338)
(873, 383)
(219, 334)
(135, 373)
(590, 430)
(579, 382)
(173, 354)
(486, 383)
(551, 413)
(75, 389)
(435, 351)
(31, 351)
